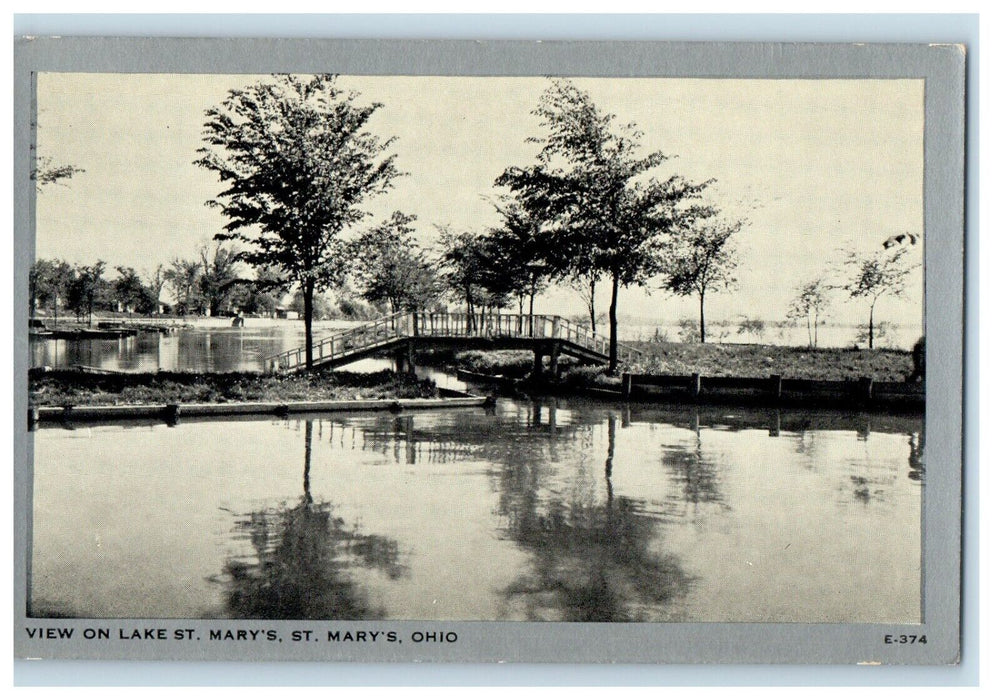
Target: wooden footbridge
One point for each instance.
(402, 334)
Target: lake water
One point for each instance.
(202, 348)
(208, 348)
(565, 510)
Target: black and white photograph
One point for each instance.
(353, 350)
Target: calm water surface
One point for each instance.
(197, 349)
(556, 511)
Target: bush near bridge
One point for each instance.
(71, 387)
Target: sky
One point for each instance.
(815, 167)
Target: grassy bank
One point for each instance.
(70, 387)
(723, 360)
(711, 360)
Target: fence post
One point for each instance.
(776, 384)
(554, 360)
(626, 384)
(171, 413)
(867, 388)
(695, 384)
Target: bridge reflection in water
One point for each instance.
(558, 510)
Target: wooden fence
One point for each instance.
(775, 389)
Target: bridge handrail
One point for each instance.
(449, 324)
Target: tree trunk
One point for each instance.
(816, 331)
(613, 322)
(593, 305)
(701, 305)
(307, 310)
(871, 327)
(809, 334)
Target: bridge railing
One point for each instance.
(505, 325)
(345, 342)
(448, 324)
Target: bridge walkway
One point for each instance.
(403, 333)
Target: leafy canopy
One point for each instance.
(601, 205)
(882, 273)
(395, 270)
(298, 165)
(700, 259)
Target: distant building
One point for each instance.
(285, 312)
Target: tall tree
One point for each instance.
(700, 259)
(875, 275)
(260, 295)
(606, 211)
(48, 283)
(396, 270)
(218, 275)
(585, 287)
(130, 292)
(183, 277)
(811, 302)
(87, 289)
(522, 254)
(462, 263)
(298, 166)
(155, 282)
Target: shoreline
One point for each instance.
(171, 413)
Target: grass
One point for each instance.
(70, 387)
(709, 359)
(725, 360)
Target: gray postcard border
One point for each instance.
(943, 69)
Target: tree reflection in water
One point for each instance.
(593, 558)
(303, 555)
(695, 475)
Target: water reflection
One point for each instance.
(551, 510)
(198, 349)
(302, 562)
(592, 554)
(695, 474)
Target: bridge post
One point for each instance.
(626, 385)
(554, 360)
(405, 363)
(537, 371)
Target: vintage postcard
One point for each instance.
(455, 351)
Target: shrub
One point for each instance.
(919, 360)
